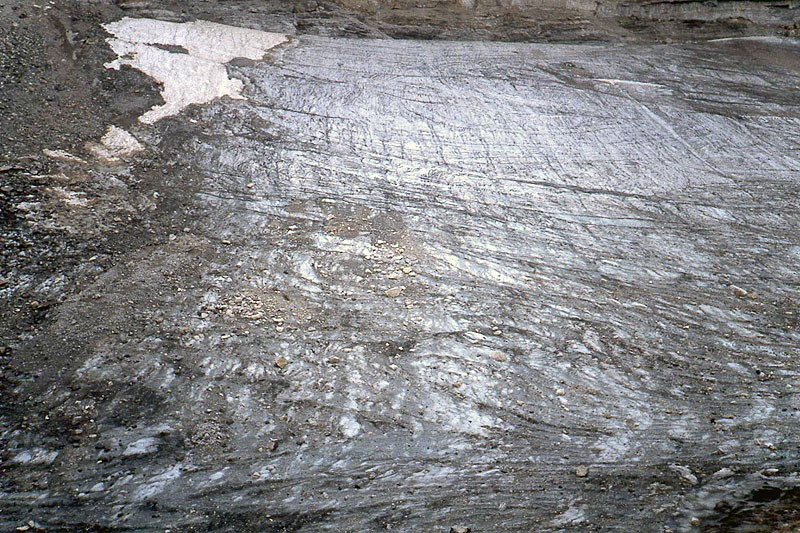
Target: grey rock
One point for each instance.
(685, 473)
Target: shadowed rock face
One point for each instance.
(414, 285)
(578, 19)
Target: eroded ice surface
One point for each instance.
(598, 253)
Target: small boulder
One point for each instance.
(497, 355)
(394, 292)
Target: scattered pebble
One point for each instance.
(765, 444)
(31, 525)
(582, 471)
(738, 291)
(394, 292)
(281, 361)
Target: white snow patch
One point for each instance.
(350, 428)
(195, 77)
(63, 155)
(70, 198)
(116, 143)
